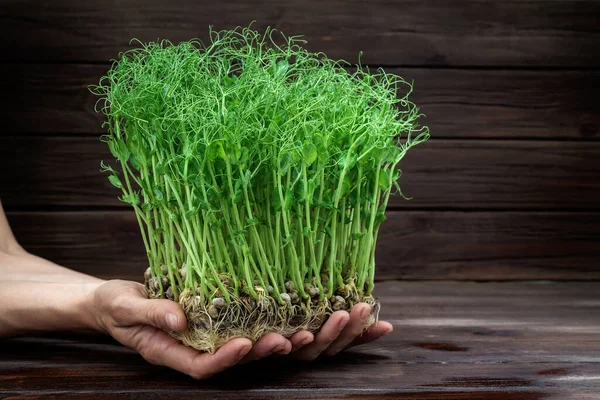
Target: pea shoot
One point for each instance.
(259, 173)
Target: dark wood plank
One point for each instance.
(449, 174)
(411, 245)
(470, 394)
(435, 32)
(52, 98)
(451, 341)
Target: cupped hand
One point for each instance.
(342, 331)
(122, 309)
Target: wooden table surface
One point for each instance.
(451, 340)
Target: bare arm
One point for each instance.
(38, 295)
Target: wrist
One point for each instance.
(88, 310)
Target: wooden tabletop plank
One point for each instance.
(54, 98)
(451, 341)
(447, 174)
(528, 33)
(411, 244)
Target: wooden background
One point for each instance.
(508, 188)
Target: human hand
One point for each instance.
(123, 310)
(342, 331)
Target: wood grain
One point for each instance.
(411, 245)
(448, 174)
(53, 98)
(546, 350)
(541, 33)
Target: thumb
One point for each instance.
(160, 313)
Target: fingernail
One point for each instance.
(365, 313)
(245, 350)
(342, 324)
(306, 341)
(173, 321)
(278, 350)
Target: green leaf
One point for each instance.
(192, 212)
(217, 150)
(349, 163)
(159, 169)
(212, 152)
(244, 156)
(286, 160)
(107, 168)
(358, 235)
(158, 194)
(346, 186)
(311, 190)
(247, 176)
(135, 162)
(181, 167)
(326, 204)
(275, 200)
(131, 198)
(281, 69)
(309, 152)
(158, 232)
(124, 152)
(380, 218)
(238, 196)
(288, 239)
(384, 179)
(236, 155)
(114, 148)
(288, 200)
(116, 182)
(251, 221)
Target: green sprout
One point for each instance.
(259, 173)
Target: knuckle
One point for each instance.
(198, 375)
(196, 369)
(308, 356)
(328, 341)
(119, 308)
(150, 316)
(149, 355)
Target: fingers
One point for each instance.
(161, 349)
(376, 331)
(301, 339)
(129, 310)
(204, 365)
(359, 317)
(328, 333)
(271, 343)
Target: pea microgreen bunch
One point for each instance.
(259, 173)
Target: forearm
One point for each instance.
(22, 266)
(33, 306)
(38, 295)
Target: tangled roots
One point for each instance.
(213, 322)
